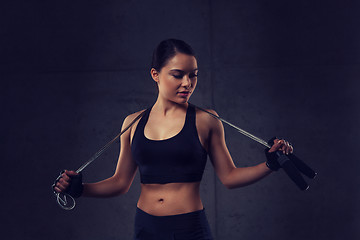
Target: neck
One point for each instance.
(167, 107)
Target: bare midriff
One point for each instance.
(170, 198)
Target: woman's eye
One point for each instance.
(178, 76)
(193, 75)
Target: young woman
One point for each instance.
(169, 145)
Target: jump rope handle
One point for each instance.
(291, 170)
(303, 167)
(293, 166)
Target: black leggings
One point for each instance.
(187, 226)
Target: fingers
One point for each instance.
(278, 145)
(57, 189)
(65, 176)
(71, 173)
(63, 183)
(291, 149)
(286, 148)
(282, 145)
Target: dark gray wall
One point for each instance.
(71, 72)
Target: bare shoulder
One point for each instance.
(131, 117)
(207, 119)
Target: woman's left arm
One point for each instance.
(228, 173)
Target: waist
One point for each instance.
(167, 217)
(170, 199)
(171, 178)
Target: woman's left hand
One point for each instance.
(281, 145)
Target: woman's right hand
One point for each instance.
(70, 182)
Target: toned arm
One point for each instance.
(228, 173)
(125, 171)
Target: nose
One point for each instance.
(186, 82)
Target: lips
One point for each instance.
(184, 93)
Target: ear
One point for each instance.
(154, 75)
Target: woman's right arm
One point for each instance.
(124, 174)
(120, 182)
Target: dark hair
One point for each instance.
(168, 49)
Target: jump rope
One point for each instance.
(291, 164)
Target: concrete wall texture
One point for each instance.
(72, 71)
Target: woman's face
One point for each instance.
(177, 79)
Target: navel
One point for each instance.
(161, 200)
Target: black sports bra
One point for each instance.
(181, 158)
